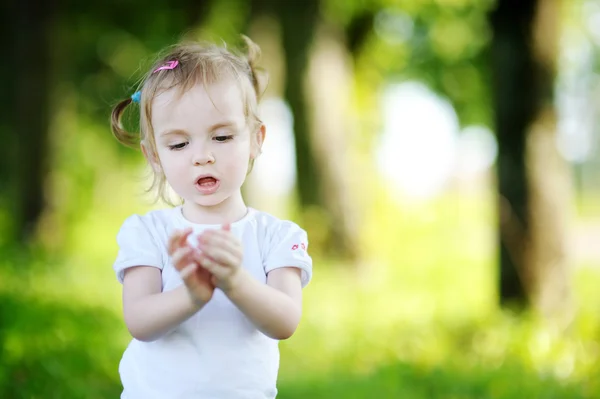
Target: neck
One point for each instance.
(230, 210)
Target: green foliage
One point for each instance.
(410, 381)
(442, 43)
(55, 350)
(53, 345)
(417, 320)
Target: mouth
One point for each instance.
(207, 184)
(206, 181)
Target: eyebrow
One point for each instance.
(220, 125)
(211, 129)
(172, 132)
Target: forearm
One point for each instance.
(151, 316)
(273, 312)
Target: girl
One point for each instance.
(209, 286)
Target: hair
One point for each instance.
(198, 63)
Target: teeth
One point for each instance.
(207, 181)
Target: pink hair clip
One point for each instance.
(168, 65)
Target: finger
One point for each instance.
(220, 233)
(208, 264)
(182, 240)
(222, 256)
(176, 239)
(184, 236)
(223, 244)
(187, 271)
(200, 257)
(221, 239)
(196, 276)
(181, 257)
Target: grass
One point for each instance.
(415, 319)
(405, 380)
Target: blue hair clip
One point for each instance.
(136, 97)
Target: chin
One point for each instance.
(209, 201)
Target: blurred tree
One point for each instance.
(298, 22)
(45, 56)
(452, 46)
(439, 43)
(25, 114)
(330, 89)
(95, 63)
(321, 173)
(532, 177)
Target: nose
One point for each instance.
(203, 156)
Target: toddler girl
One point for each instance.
(209, 285)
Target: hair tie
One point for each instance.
(169, 65)
(136, 97)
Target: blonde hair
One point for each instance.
(198, 63)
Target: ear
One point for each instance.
(259, 140)
(150, 156)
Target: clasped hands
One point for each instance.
(216, 261)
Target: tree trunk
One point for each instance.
(321, 174)
(298, 21)
(329, 89)
(7, 137)
(26, 150)
(532, 177)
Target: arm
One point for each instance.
(150, 313)
(274, 308)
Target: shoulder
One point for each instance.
(271, 230)
(151, 221)
(142, 241)
(276, 232)
(154, 226)
(285, 244)
(272, 224)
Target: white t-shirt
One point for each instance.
(217, 353)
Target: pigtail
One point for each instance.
(259, 76)
(126, 138)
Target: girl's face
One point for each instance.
(204, 145)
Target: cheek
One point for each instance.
(236, 160)
(168, 162)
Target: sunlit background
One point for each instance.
(382, 142)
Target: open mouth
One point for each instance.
(207, 185)
(207, 181)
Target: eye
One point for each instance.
(222, 139)
(178, 146)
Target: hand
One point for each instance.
(198, 280)
(221, 254)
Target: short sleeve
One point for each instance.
(137, 246)
(288, 247)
